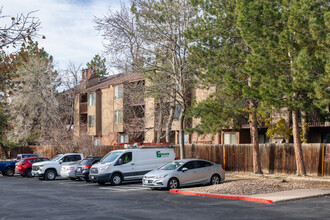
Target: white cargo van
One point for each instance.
(129, 164)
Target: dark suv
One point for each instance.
(82, 170)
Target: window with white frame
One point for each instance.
(91, 121)
(118, 92)
(185, 138)
(91, 99)
(118, 117)
(123, 138)
(230, 138)
(97, 141)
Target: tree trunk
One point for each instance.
(160, 121)
(301, 171)
(4, 150)
(304, 126)
(169, 122)
(181, 132)
(254, 138)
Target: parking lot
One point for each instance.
(29, 198)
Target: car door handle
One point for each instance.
(132, 163)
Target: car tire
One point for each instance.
(116, 179)
(50, 175)
(72, 178)
(28, 173)
(215, 179)
(9, 171)
(101, 183)
(173, 183)
(87, 179)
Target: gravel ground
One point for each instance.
(247, 184)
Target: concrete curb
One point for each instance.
(269, 198)
(244, 198)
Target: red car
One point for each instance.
(24, 166)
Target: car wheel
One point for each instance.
(72, 178)
(50, 175)
(215, 179)
(9, 171)
(87, 179)
(101, 183)
(28, 173)
(116, 179)
(173, 183)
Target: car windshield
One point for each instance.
(57, 157)
(172, 166)
(111, 156)
(86, 162)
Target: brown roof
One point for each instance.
(114, 80)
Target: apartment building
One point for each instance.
(114, 110)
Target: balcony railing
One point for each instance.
(83, 108)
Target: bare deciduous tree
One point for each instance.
(162, 24)
(18, 29)
(122, 42)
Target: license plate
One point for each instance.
(149, 181)
(92, 177)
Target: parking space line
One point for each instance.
(123, 189)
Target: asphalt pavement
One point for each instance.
(28, 198)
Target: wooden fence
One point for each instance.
(275, 158)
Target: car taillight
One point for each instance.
(87, 166)
(176, 158)
(70, 168)
(222, 167)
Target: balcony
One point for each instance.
(135, 124)
(83, 108)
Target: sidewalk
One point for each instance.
(269, 198)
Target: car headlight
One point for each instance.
(161, 176)
(104, 168)
(40, 167)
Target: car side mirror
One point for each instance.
(184, 169)
(120, 161)
(61, 161)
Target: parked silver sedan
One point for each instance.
(183, 173)
(69, 171)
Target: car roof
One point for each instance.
(29, 158)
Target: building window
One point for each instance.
(123, 138)
(97, 141)
(91, 99)
(185, 138)
(118, 92)
(91, 121)
(263, 139)
(118, 117)
(229, 138)
(177, 112)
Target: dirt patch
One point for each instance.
(260, 185)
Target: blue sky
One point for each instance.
(68, 26)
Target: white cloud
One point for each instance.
(68, 26)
